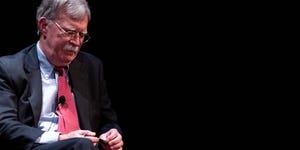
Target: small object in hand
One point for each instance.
(102, 141)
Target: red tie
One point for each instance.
(66, 109)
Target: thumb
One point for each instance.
(103, 136)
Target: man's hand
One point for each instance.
(80, 133)
(114, 140)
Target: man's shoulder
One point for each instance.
(19, 53)
(88, 57)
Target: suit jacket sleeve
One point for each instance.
(20, 100)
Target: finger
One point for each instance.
(89, 133)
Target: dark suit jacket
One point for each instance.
(21, 97)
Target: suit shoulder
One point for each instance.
(15, 58)
(88, 57)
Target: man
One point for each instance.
(31, 114)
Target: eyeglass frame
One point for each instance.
(73, 33)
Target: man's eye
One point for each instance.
(81, 35)
(70, 32)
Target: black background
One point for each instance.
(138, 45)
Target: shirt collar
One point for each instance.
(45, 66)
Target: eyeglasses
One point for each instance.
(85, 37)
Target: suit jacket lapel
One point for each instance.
(77, 75)
(31, 66)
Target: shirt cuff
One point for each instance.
(49, 137)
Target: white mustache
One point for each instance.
(71, 48)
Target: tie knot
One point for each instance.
(60, 70)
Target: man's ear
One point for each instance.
(42, 25)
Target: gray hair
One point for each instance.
(51, 9)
